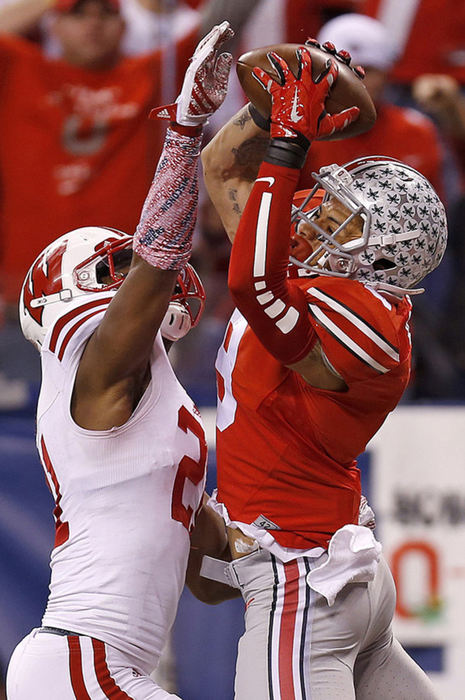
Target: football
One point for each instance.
(347, 91)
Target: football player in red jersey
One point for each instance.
(121, 442)
(314, 358)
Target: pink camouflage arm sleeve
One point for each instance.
(164, 235)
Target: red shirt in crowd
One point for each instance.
(77, 148)
(430, 35)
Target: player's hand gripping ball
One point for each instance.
(298, 103)
(347, 91)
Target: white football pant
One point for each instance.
(47, 666)
(297, 647)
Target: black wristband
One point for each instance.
(291, 153)
(258, 118)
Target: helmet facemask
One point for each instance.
(333, 253)
(105, 270)
(403, 228)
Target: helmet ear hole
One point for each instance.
(383, 264)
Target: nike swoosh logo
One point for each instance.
(295, 117)
(271, 180)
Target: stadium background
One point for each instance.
(412, 473)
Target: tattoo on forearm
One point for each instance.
(247, 159)
(242, 119)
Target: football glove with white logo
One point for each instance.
(205, 83)
(298, 102)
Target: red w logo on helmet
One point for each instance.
(43, 278)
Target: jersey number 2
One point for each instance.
(61, 527)
(188, 468)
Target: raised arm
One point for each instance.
(230, 165)
(275, 308)
(440, 95)
(19, 17)
(114, 368)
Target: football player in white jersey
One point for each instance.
(121, 443)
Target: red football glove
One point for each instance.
(298, 103)
(342, 55)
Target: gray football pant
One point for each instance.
(296, 647)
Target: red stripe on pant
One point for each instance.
(102, 672)
(287, 630)
(75, 669)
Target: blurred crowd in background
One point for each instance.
(78, 79)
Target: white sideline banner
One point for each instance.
(418, 492)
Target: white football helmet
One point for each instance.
(89, 260)
(404, 231)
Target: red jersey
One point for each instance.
(430, 35)
(286, 450)
(400, 133)
(77, 149)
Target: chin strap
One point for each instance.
(62, 295)
(392, 289)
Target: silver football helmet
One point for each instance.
(404, 231)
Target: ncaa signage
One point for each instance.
(418, 492)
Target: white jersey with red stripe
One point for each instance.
(286, 450)
(126, 498)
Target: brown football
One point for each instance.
(348, 90)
